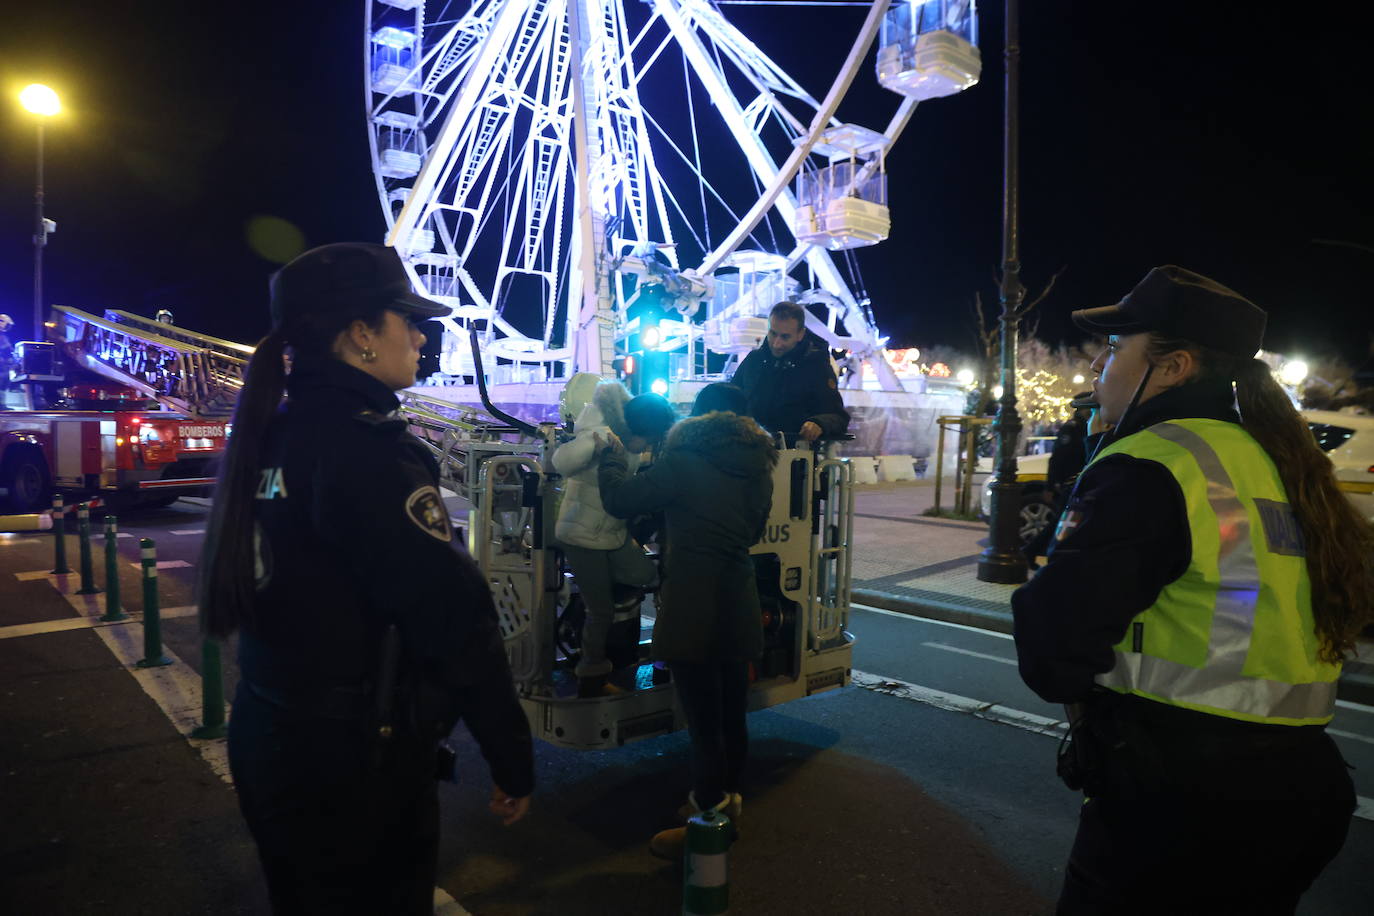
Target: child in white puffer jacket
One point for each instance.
(598, 546)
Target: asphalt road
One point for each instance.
(857, 801)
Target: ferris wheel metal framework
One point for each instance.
(496, 164)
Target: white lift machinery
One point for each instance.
(499, 465)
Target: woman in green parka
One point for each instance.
(713, 482)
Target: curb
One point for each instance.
(1355, 686)
(935, 609)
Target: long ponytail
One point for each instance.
(1338, 541)
(227, 557)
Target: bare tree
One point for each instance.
(989, 338)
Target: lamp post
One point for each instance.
(42, 101)
(1002, 560)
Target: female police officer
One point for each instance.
(1206, 580)
(364, 633)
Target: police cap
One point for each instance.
(1178, 303)
(347, 277)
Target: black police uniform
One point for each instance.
(1171, 791)
(352, 538)
(785, 392)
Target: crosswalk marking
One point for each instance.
(40, 627)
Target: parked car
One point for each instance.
(1037, 499)
(1347, 439)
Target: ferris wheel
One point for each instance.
(581, 178)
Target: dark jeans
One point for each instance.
(715, 698)
(337, 831)
(1194, 856)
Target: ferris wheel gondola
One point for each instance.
(543, 163)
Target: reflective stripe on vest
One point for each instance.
(1231, 591)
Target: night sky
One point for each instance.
(1222, 137)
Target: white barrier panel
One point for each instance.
(896, 467)
(865, 469)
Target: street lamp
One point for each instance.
(1003, 561)
(42, 101)
(1293, 373)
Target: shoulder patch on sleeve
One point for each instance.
(426, 510)
(834, 385)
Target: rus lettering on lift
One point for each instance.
(271, 484)
(777, 534)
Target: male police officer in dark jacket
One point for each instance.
(789, 382)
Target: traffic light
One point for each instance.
(646, 365)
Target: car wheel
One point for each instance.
(1036, 515)
(27, 484)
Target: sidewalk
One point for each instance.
(927, 567)
(107, 807)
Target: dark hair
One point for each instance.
(720, 396)
(649, 416)
(227, 580)
(789, 311)
(1339, 543)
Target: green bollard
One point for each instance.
(59, 538)
(83, 528)
(152, 619)
(211, 692)
(706, 881)
(112, 610)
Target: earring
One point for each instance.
(368, 354)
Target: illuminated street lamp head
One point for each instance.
(40, 100)
(1293, 372)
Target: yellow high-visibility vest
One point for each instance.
(1234, 635)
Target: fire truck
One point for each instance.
(122, 408)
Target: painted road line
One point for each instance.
(444, 905)
(187, 531)
(1016, 718)
(40, 574)
(86, 622)
(1357, 707)
(1351, 735)
(165, 564)
(949, 648)
(993, 712)
(175, 688)
(939, 623)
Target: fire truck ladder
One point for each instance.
(186, 372)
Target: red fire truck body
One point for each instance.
(86, 452)
(118, 407)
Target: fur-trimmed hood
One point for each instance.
(735, 444)
(606, 408)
